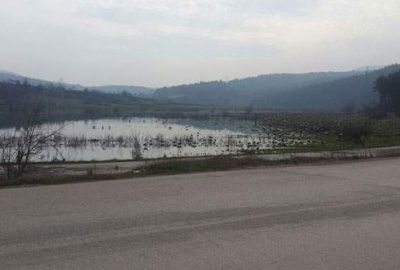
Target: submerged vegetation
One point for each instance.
(338, 131)
(147, 138)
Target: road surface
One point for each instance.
(337, 216)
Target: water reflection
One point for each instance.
(131, 138)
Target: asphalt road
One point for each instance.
(338, 216)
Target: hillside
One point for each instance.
(308, 91)
(133, 90)
(59, 103)
(325, 90)
(11, 77)
(356, 90)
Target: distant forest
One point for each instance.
(329, 91)
(312, 91)
(58, 103)
(388, 88)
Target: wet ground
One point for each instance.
(149, 138)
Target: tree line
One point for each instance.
(388, 88)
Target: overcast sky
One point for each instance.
(167, 42)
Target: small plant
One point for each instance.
(89, 172)
(356, 131)
(137, 149)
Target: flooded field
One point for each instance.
(147, 138)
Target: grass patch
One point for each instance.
(334, 132)
(167, 167)
(62, 179)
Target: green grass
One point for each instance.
(167, 167)
(181, 166)
(333, 132)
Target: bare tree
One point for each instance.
(20, 145)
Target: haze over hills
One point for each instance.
(133, 90)
(57, 103)
(356, 90)
(244, 91)
(323, 90)
(6, 76)
(316, 91)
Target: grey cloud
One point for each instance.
(166, 42)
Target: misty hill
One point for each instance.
(356, 90)
(243, 92)
(133, 90)
(324, 90)
(59, 103)
(6, 76)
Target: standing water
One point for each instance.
(147, 138)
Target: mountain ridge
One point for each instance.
(314, 90)
(8, 76)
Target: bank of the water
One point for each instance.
(48, 174)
